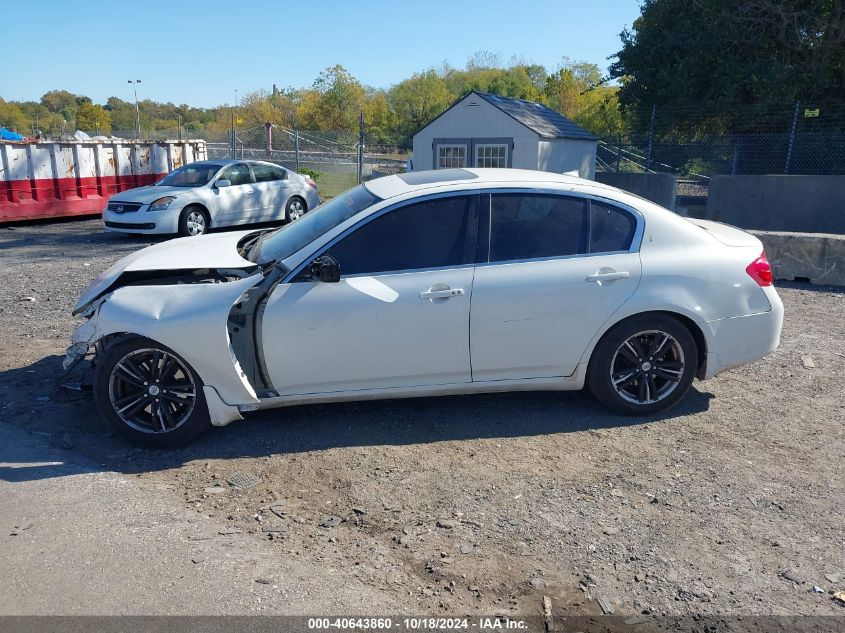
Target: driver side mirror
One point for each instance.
(325, 268)
(223, 183)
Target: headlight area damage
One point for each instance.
(209, 317)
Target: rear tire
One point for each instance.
(149, 394)
(193, 220)
(643, 365)
(295, 209)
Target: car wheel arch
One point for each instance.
(686, 320)
(202, 207)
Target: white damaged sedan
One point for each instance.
(428, 283)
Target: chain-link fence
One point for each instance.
(797, 139)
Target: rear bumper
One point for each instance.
(740, 340)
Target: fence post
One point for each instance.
(296, 148)
(735, 159)
(791, 138)
(232, 147)
(650, 138)
(618, 151)
(361, 148)
(268, 138)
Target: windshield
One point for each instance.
(285, 241)
(195, 175)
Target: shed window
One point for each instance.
(491, 155)
(451, 156)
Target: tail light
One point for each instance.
(310, 182)
(760, 270)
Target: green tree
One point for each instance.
(416, 101)
(90, 117)
(339, 101)
(577, 91)
(58, 100)
(734, 63)
(12, 117)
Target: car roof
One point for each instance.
(468, 178)
(222, 162)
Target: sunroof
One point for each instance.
(436, 175)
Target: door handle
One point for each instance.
(250, 193)
(441, 294)
(599, 277)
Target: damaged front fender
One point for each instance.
(191, 319)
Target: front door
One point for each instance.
(557, 268)
(398, 318)
(236, 203)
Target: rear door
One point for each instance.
(398, 318)
(555, 268)
(272, 189)
(236, 203)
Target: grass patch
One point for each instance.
(333, 184)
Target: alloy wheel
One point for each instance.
(152, 391)
(196, 223)
(647, 367)
(296, 210)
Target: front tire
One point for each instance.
(295, 209)
(193, 220)
(149, 394)
(643, 365)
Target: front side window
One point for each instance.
(237, 174)
(491, 155)
(429, 234)
(451, 156)
(530, 226)
(267, 173)
(611, 229)
(194, 175)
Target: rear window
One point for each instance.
(529, 226)
(611, 228)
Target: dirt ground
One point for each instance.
(731, 503)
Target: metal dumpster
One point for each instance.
(58, 179)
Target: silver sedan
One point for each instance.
(210, 194)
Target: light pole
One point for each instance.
(137, 110)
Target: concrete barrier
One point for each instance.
(659, 188)
(817, 257)
(807, 204)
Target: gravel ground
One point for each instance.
(731, 503)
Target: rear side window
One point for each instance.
(237, 174)
(611, 229)
(529, 226)
(267, 173)
(424, 235)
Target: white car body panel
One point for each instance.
(534, 319)
(206, 251)
(317, 334)
(518, 325)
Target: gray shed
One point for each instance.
(484, 130)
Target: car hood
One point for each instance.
(215, 251)
(145, 195)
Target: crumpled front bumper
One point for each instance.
(82, 339)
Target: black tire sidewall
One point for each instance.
(290, 201)
(183, 220)
(598, 374)
(196, 423)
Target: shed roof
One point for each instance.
(537, 117)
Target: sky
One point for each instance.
(200, 53)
